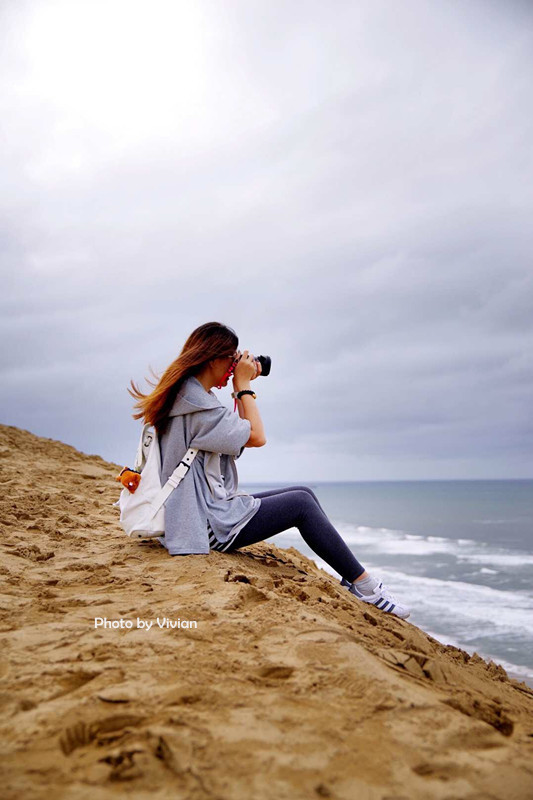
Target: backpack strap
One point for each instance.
(147, 434)
(175, 479)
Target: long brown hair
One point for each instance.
(209, 341)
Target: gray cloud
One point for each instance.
(351, 192)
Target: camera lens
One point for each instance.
(265, 362)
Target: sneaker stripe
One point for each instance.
(382, 603)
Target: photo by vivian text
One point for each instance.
(144, 624)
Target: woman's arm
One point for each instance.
(248, 410)
(247, 406)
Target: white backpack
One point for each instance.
(142, 514)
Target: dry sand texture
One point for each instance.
(288, 688)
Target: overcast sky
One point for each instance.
(347, 184)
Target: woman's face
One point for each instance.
(221, 368)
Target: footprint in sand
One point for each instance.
(77, 735)
(82, 734)
(128, 761)
(133, 750)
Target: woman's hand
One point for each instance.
(258, 370)
(246, 370)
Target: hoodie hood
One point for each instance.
(193, 397)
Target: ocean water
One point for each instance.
(459, 553)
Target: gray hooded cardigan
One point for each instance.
(209, 492)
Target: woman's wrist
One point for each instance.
(240, 386)
(244, 393)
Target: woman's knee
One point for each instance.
(307, 490)
(305, 501)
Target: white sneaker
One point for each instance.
(381, 598)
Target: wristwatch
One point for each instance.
(238, 395)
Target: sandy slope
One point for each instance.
(287, 688)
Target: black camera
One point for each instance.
(265, 362)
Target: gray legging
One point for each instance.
(298, 506)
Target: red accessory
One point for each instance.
(229, 372)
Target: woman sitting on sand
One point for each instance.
(207, 512)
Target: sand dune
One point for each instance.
(286, 687)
